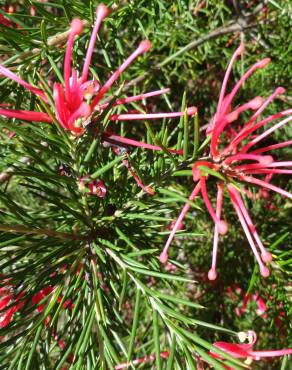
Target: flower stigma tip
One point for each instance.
(102, 11)
(212, 275)
(76, 26)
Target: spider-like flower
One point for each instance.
(245, 350)
(80, 98)
(224, 163)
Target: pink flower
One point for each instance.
(237, 163)
(246, 350)
(79, 99)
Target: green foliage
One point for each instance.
(110, 299)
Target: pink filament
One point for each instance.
(231, 117)
(101, 12)
(76, 28)
(6, 72)
(278, 91)
(26, 115)
(269, 171)
(212, 274)
(237, 52)
(261, 64)
(265, 134)
(229, 99)
(265, 184)
(266, 256)
(131, 99)
(164, 254)
(248, 130)
(142, 48)
(140, 144)
(272, 147)
(255, 166)
(129, 117)
(221, 225)
(263, 160)
(271, 353)
(263, 269)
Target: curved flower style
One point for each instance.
(224, 163)
(245, 350)
(80, 97)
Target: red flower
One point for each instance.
(6, 300)
(224, 162)
(80, 98)
(246, 350)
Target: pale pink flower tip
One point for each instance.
(222, 227)
(266, 256)
(241, 48)
(280, 90)
(145, 45)
(266, 160)
(212, 275)
(264, 271)
(264, 62)
(163, 257)
(102, 11)
(76, 26)
(191, 111)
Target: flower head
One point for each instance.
(80, 98)
(245, 350)
(236, 163)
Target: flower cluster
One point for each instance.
(80, 99)
(237, 162)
